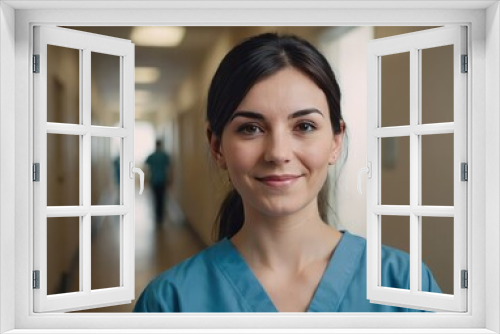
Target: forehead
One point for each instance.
(287, 90)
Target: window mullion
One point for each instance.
(80, 172)
(127, 191)
(85, 240)
(434, 129)
(414, 169)
(394, 210)
(419, 126)
(122, 230)
(108, 210)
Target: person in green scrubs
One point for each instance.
(275, 126)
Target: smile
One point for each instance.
(279, 180)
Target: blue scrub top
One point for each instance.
(219, 280)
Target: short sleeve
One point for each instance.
(396, 273)
(157, 297)
(429, 284)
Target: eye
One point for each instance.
(249, 129)
(306, 127)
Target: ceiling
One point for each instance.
(174, 63)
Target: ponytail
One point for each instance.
(230, 218)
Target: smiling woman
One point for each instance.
(275, 126)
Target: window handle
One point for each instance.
(367, 170)
(137, 170)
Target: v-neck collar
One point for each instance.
(331, 288)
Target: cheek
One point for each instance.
(318, 156)
(239, 157)
(318, 164)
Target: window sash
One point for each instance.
(86, 297)
(413, 43)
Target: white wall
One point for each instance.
(492, 161)
(347, 56)
(7, 170)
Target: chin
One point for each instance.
(282, 209)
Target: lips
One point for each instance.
(278, 177)
(279, 180)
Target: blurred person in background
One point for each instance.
(160, 176)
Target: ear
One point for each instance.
(215, 149)
(338, 139)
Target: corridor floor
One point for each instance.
(157, 248)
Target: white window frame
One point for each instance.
(85, 297)
(17, 19)
(414, 43)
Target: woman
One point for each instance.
(275, 125)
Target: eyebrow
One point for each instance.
(259, 116)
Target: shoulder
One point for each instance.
(353, 240)
(394, 258)
(167, 290)
(395, 266)
(182, 272)
(391, 257)
(396, 271)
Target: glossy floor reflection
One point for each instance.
(157, 248)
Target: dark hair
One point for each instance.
(251, 61)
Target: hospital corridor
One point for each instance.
(171, 83)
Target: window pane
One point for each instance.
(437, 169)
(105, 252)
(437, 250)
(395, 170)
(395, 232)
(63, 255)
(105, 89)
(63, 85)
(63, 170)
(395, 89)
(437, 84)
(105, 170)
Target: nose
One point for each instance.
(278, 148)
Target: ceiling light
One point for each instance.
(146, 75)
(157, 36)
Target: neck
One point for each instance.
(287, 243)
